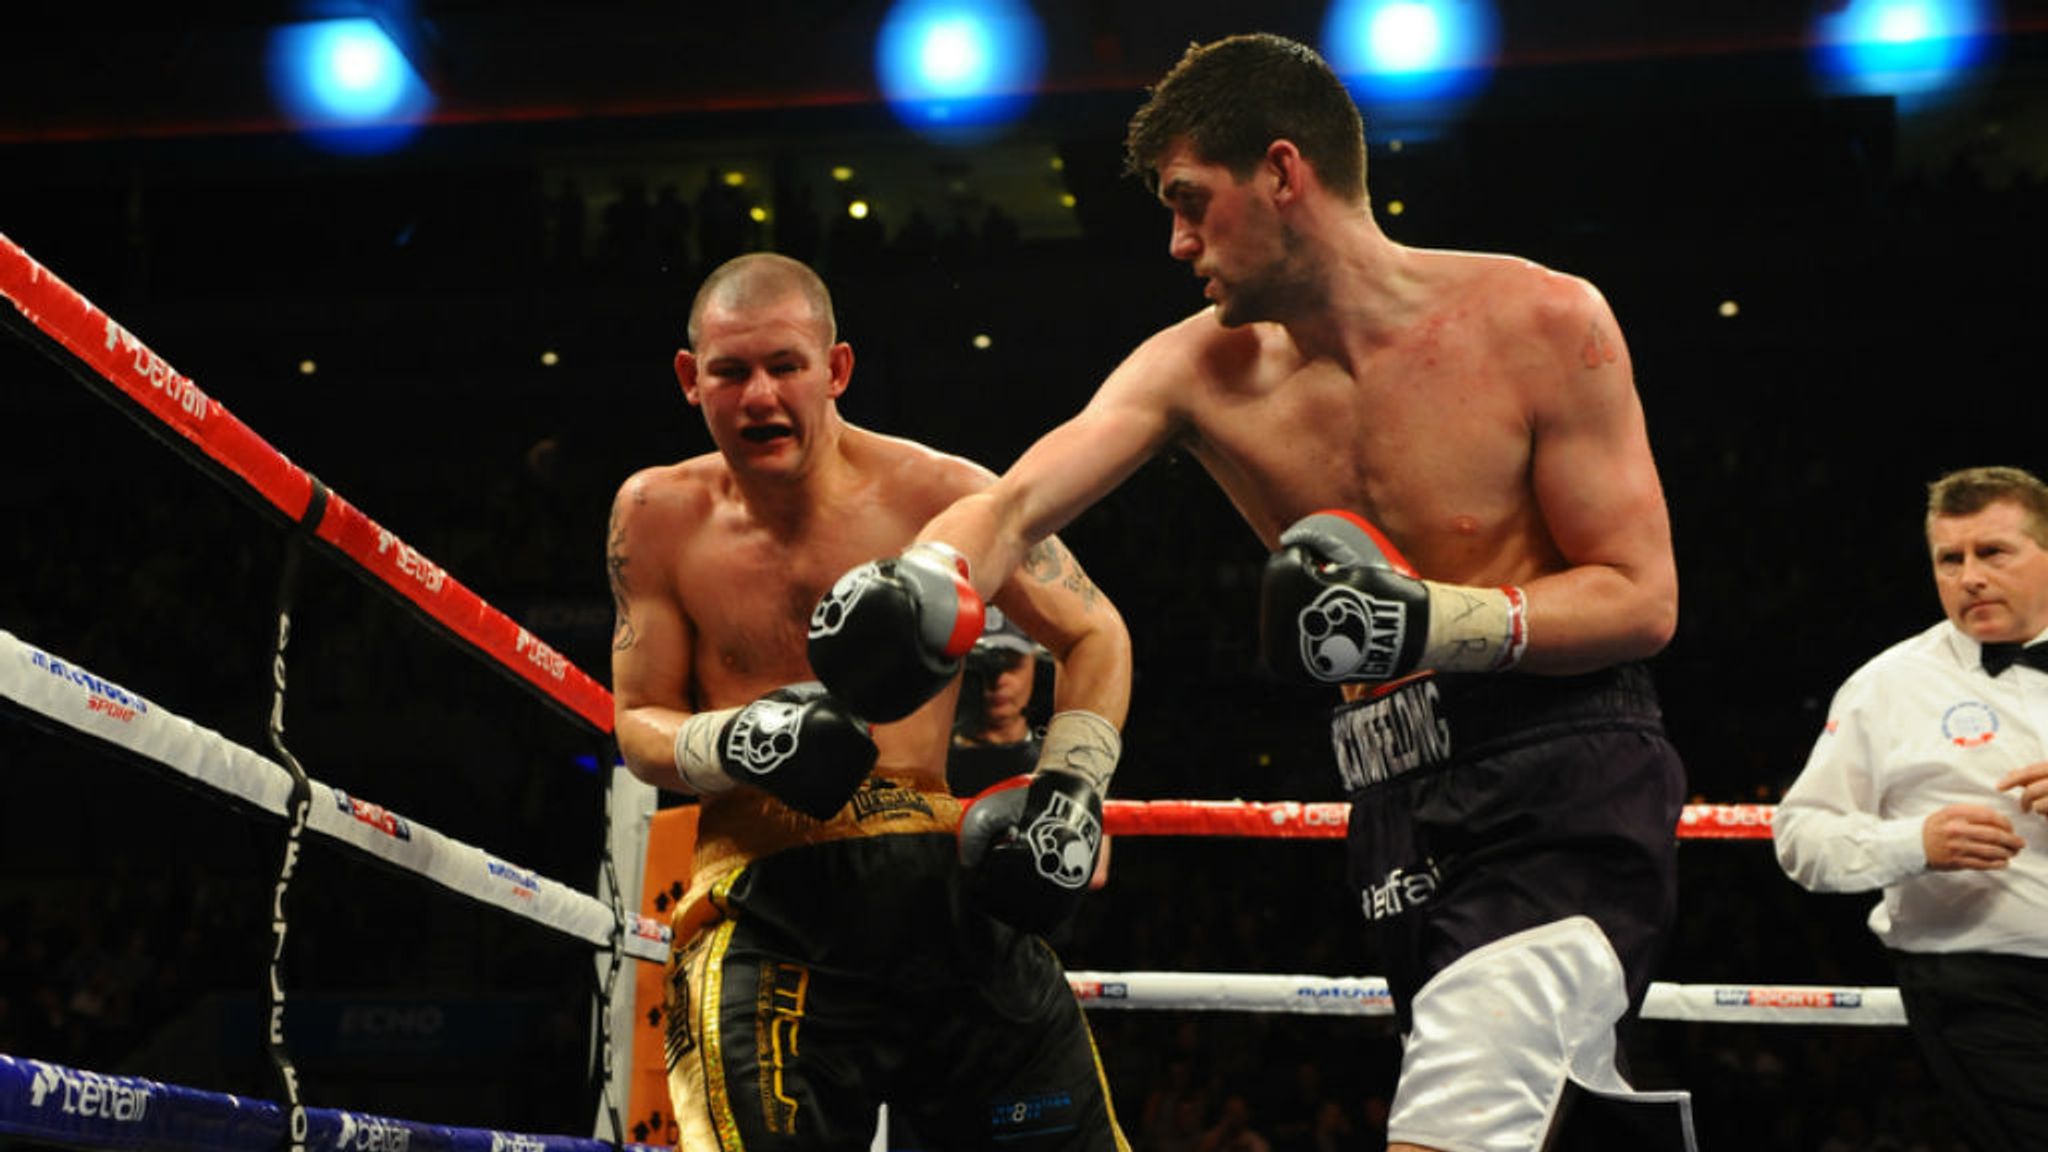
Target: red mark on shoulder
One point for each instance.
(1599, 349)
(1432, 339)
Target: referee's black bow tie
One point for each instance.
(1999, 657)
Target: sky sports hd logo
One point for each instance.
(1100, 989)
(382, 819)
(1787, 998)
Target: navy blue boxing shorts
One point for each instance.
(1513, 844)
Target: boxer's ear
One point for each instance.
(686, 375)
(839, 359)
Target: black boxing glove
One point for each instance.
(795, 743)
(1031, 849)
(1339, 604)
(890, 634)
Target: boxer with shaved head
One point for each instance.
(833, 952)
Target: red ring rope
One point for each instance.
(110, 351)
(1293, 820)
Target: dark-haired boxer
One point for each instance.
(1515, 798)
(843, 942)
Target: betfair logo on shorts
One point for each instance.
(1381, 738)
(1347, 635)
(89, 1094)
(1400, 891)
(763, 736)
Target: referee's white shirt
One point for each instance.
(1920, 727)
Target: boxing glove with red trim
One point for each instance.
(795, 743)
(1339, 604)
(1031, 849)
(890, 634)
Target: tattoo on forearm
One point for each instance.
(1049, 563)
(623, 634)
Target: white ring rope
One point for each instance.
(94, 706)
(1368, 996)
(80, 700)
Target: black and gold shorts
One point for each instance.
(839, 976)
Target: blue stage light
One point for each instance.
(346, 84)
(1411, 50)
(1903, 48)
(959, 69)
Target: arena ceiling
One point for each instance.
(609, 93)
(175, 70)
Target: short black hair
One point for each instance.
(1231, 98)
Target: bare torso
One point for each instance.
(1430, 434)
(746, 578)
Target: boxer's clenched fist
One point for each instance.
(1339, 604)
(890, 633)
(795, 743)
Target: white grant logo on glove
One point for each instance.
(1063, 842)
(831, 610)
(763, 736)
(1338, 604)
(1347, 635)
(890, 634)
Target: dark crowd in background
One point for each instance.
(1881, 339)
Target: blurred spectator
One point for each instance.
(1233, 1130)
(993, 734)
